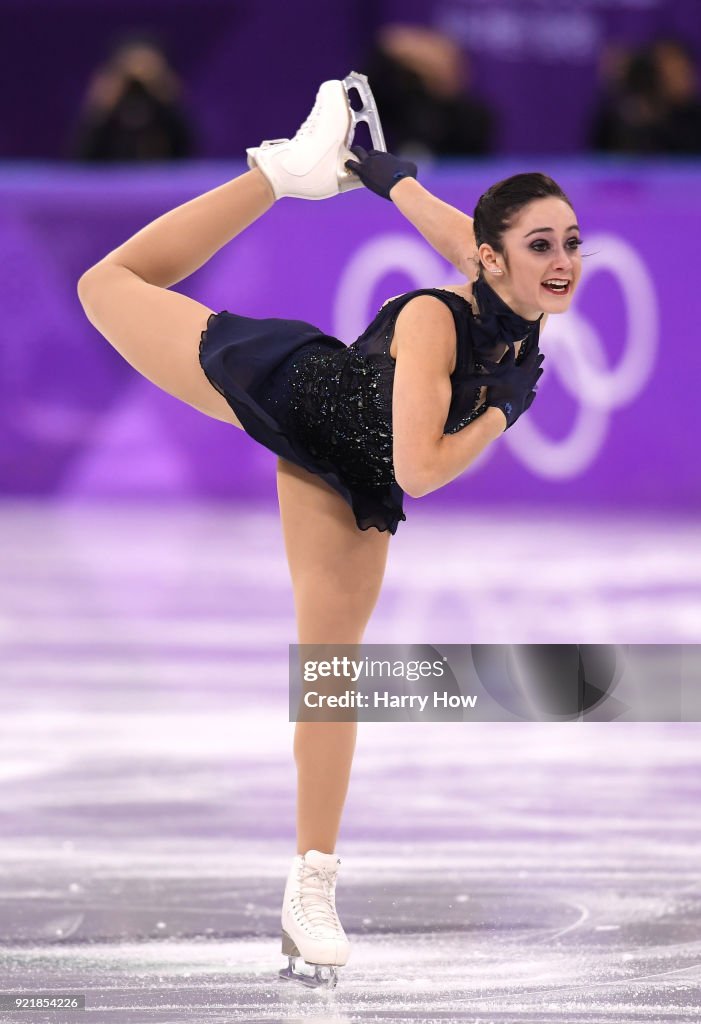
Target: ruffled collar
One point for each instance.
(496, 322)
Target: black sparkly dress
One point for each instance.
(327, 406)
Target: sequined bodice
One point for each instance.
(340, 398)
(340, 408)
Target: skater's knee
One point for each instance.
(333, 614)
(323, 684)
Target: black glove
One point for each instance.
(379, 171)
(510, 385)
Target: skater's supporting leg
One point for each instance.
(337, 573)
(324, 756)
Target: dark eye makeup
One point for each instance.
(572, 242)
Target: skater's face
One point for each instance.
(541, 245)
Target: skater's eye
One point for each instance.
(540, 244)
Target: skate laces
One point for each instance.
(306, 127)
(316, 897)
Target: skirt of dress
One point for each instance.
(250, 362)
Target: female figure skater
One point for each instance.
(437, 376)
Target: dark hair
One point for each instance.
(496, 208)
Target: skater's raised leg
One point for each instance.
(125, 295)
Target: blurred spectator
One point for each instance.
(420, 79)
(676, 70)
(132, 107)
(651, 103)
(631, 110)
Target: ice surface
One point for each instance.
(496, 873)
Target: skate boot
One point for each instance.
(311, 165)
(312, 936)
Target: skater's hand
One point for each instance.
(511, 387)
(379, 171)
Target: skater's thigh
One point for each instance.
(156, 330)
(336, 568)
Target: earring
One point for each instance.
(497, 271)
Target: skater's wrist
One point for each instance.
(496, 417)
(403, 189)
(379, 171)
(455, 452)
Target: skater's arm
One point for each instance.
(424, 457)
(446, 229)
(453, 453)
(449, 455)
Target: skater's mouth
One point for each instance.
(557, 286)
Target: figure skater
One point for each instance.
(436, 377)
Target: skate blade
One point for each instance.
(312, 975)
(367, 113)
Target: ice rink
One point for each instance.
(516, 872)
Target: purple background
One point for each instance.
(253, 68)
(76, 420)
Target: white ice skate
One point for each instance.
(311, 165)
(312, 936)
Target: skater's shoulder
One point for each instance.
(388, 301)
(461, 292)
(425, 315)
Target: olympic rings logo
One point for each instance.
(576, 352)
